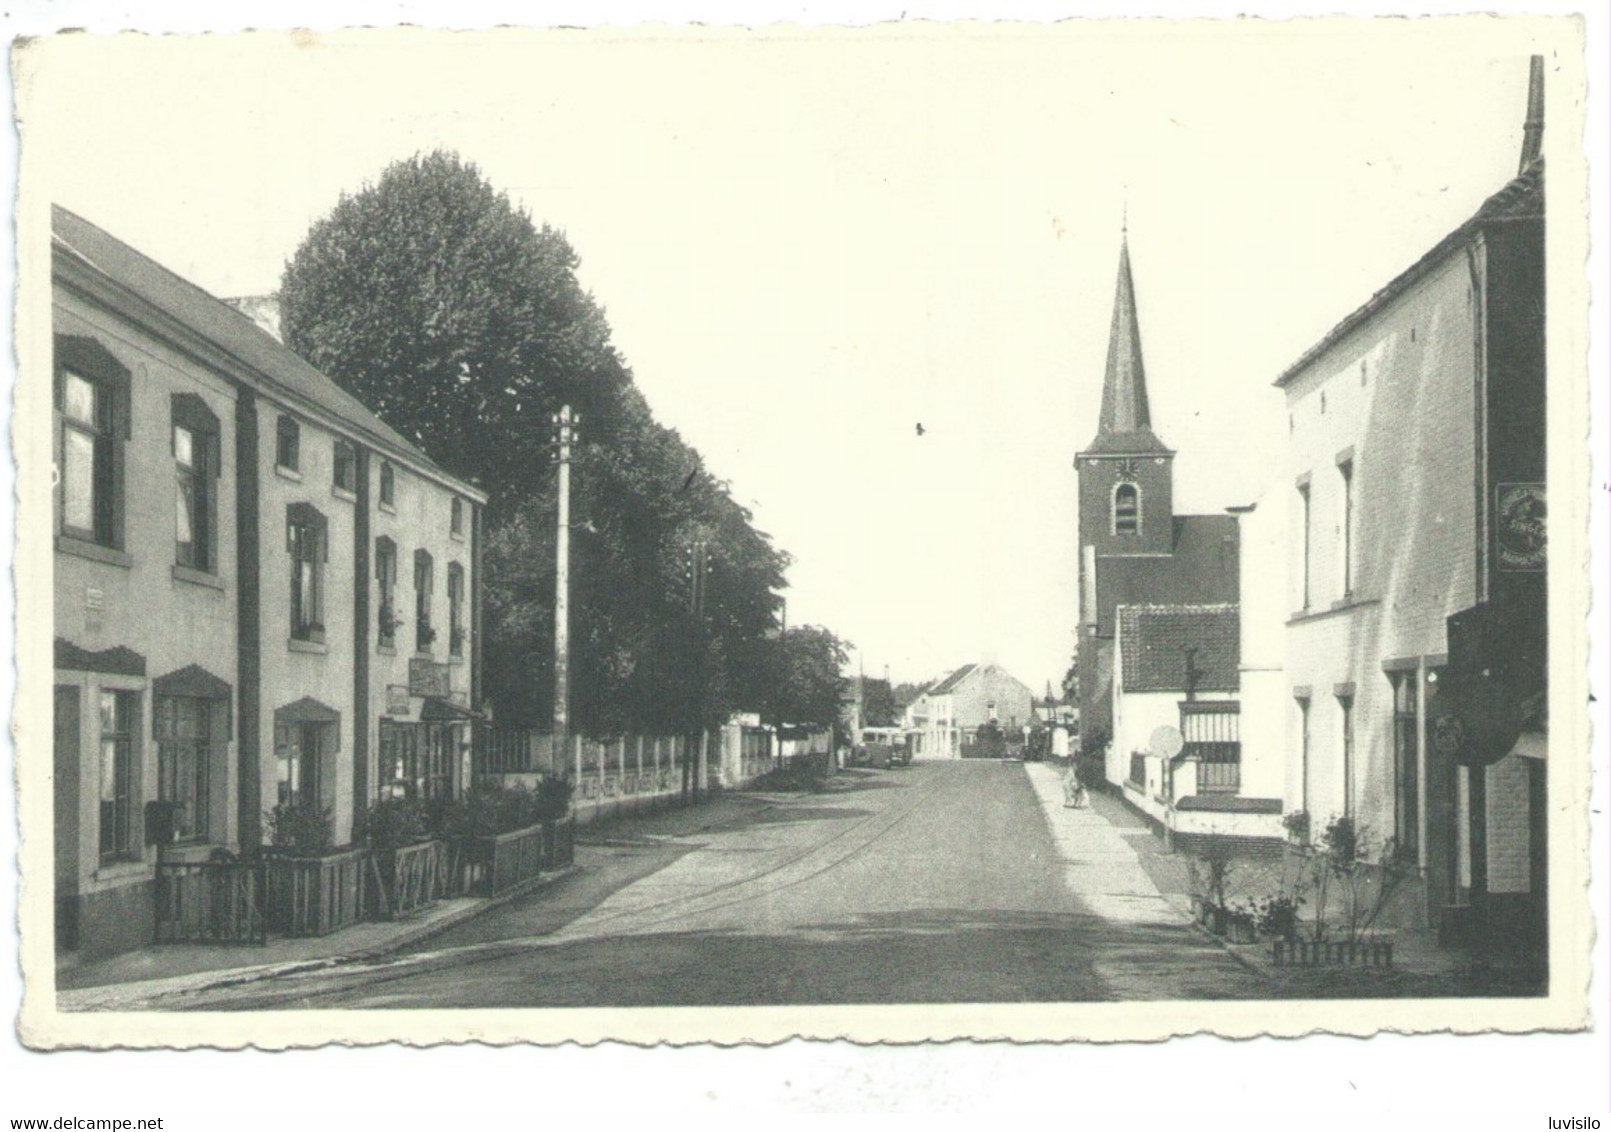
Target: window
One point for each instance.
(298, 762)
(1303, 557)
(288, 444)
(1126, 509)
(424, 635)
(1345, 469)
(416, 761)
(456, 630)
(456, 517)
(386, 585)
(1303, 756)
(118, 782)
(184, 733)
(1345, 705)
(305, 539)
(388, 484)
(92, 397)
(1406, 784)
(345, 473)
(195, 461)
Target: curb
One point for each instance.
(126, 996)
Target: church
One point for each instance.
(1133, 549)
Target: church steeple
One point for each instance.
(1126, 422)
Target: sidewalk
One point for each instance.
(137, 979)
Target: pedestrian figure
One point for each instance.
(1074, 797)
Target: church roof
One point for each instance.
(1126, 423)
(1157, 642)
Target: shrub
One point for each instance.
(395, 822)
(553, 797)
(490, 808)
(1297, 826)
(300, 826)
(1278, 916)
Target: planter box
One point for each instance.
(1333, 953)
(210, 902)
(493, 864)
(306, 896)
(407, 879)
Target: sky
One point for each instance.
(808, 244)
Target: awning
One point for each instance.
(435, 709)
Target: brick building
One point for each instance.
(1415, 651)
(261, 592)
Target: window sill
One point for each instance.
(94, 551)
(389, 508)
(1342, 606)
(455, 658)
(287, 473)
(122, 869)
(456, 536)
(343, 493)
(386, 650)
(318, 648)
(423, 656)
(197, 577)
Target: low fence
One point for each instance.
(402, 881)
(500, 862)
(210, 902)
(308, 896)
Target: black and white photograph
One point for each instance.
(929, 530)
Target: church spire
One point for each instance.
(1126, 422)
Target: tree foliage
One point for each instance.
(878, 703)
(441, 306)
(807, 687)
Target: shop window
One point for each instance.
(92, 398)
(196, 466)
(306, 542)
(119, 781)
(424, 581)
(288, 444)
(386, 587)
(456, 629)
(1126, 509)
(416, 760)
(345, 467)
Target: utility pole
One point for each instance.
(697, 572)
(564, 436)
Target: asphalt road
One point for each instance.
(940, 882)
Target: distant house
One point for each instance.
(950, 711)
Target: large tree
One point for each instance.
(806, 682)
(443, 307)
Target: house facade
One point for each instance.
(949, 712)
(1133, 548)
(220, 518)
(1415, 637)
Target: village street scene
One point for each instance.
(747, 560)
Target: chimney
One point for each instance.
(1533, 129)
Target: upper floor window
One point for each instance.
(456, 517)
(92, 396)
(288, 444)
(386, 583)
(345, 468)
(388, 484)
(456, 630)
(196, 461)
(1303, 541)
(424, 634)
(306, 541)
(1345, 469)
(1126, 509)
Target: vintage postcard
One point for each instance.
(1037, 531)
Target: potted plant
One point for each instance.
(497, 834)
(553, 804)
(389, 621)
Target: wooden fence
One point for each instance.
(314, 895)
(210, 902)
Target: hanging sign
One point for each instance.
(1519, 533)
(1473, 718)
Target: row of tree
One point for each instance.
(440, 305)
